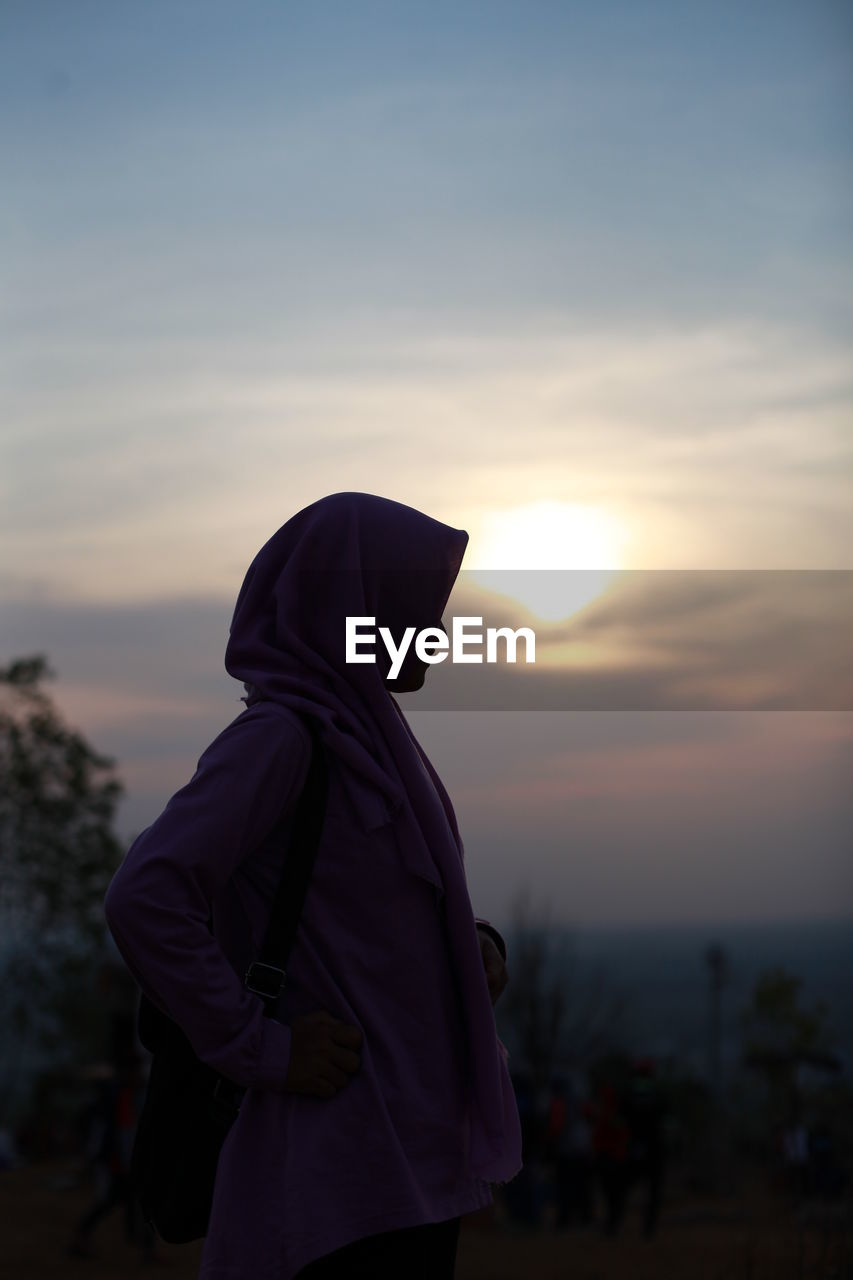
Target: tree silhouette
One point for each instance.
(58, 852)
(554, 1017)
(779, 1036)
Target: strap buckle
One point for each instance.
(265, 980)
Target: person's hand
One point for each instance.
(494, 965)
(324, 1053)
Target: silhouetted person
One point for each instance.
(644, 1113)
(570, 1142)
(828, 1178)
(379, 1106)
(795, 1154)
(521, 1195)
(111, 1128)
(610, 1139)
(8, 1150)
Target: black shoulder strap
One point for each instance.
(266, 975)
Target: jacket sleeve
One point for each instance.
(483, 926)
(158, 903)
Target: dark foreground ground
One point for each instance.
(756, 1235)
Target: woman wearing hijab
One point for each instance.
(379, 1106)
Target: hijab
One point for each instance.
(359, 555)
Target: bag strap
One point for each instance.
(267, 974)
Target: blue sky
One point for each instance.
(471, 256)
(478, 155)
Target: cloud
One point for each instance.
(712, 449)
(147, 685)
(652, 816)
(668, 641)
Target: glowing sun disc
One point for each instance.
(553, 557)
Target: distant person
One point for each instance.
(570, 1144)
(8, 1150)
(828, 1178)
(795, 1154)
(522, 1196)
(111, 1126)
(644, 1111)
(379, 1105)
(610, 1138)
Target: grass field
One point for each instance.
(754, 1236)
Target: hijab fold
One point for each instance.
(360, 555)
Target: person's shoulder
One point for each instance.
(276, 720)
(268, 726)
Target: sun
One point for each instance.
(553, 557)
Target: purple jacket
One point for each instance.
(301, 1176)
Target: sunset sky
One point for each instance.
(561, 274)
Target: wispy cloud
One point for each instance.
(714, 449)
(663, 640)
(654, 815)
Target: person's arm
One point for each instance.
(158, 903)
